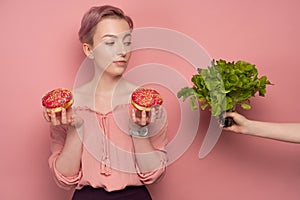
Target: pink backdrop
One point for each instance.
(40, 51)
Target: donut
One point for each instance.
(57, 99)
(145, 99)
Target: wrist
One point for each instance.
(249, 127)
(75, 132)
(138, 131)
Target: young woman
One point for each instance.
(92, 147)
(289, 132)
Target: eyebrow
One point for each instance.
(128, 34)
(115, 36)
(109, 35)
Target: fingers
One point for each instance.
(156, 113)
(58, 119)
(144, 118)
(231, 128)
(53, 119)
(159, 112)
(64, 116)
(231, 114)
(153, 115)
(46, 115)
(241, 123)
(133, 117)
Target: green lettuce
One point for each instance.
(224, 85)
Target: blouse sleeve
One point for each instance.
(159, 141)
(57, 141)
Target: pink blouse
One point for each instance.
(108, 158)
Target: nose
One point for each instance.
(122, 49)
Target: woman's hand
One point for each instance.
(65, 117)
(241, 123)
(144, 118)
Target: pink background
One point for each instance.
(40, 51)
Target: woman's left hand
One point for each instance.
(145, 119)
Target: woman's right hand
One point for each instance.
(65, 117)
(241, 123)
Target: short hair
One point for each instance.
(94, 15)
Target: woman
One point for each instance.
(288, 132)
(92, 148)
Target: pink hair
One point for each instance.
(94, 16)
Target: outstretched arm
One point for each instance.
(289, 132)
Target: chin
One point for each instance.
(117, 73)
(120, 71)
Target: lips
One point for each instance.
(120, 62)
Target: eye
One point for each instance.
(110, 43)
(127, 43)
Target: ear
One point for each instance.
(88, 51)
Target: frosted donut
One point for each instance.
(145, 99)
(57, 99)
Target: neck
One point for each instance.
(105, 83)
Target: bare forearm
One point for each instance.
(148, 158)
(289, 132)
(69, 161)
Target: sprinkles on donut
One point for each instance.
(57, 99)
(145, 99)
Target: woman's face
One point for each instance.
(111, 48)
